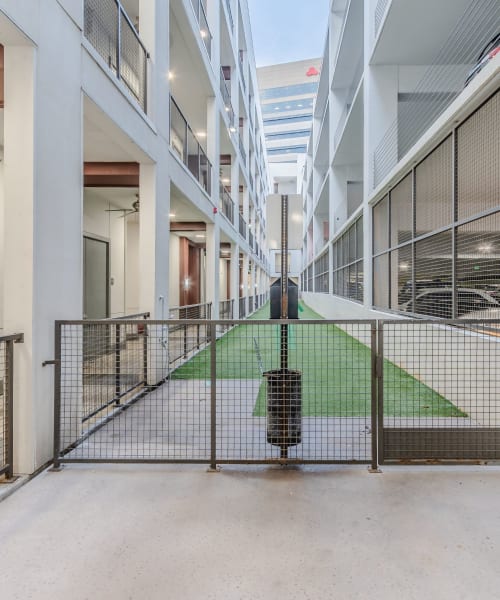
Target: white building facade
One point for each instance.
(133, 176)
(401, 185)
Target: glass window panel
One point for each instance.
(401, 273)
(478, 263)
(381, 226)
(433, 273)
(381, 281)
(478, 160)
(401, 212)
(177, 131)
(433, 203)
(359, 238)
(193, 156)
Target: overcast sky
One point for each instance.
(288, 30)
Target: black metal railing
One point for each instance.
(226, 203)
(187, 338)
(230, 14)
(108, 28)
(200, 10)
(242, 226)
(185, 144)
(226, 309)
(7, 404)
(226, 98)
(243, 307)
(111, 352)
(242, 148)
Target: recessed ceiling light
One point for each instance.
(171, 75)
(201, 134)
(203, 33)
(171, 215)
(200, 235)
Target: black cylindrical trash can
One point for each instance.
(284, 407)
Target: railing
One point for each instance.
(226, 309)
(250, 305)
(250, 239)
(226, 203)
(379, 14)
(257, 249)
(250, 177)
(187, 338)
(242, 226)
(360, 391)
(242, 148)
(226, 98)
(200, 10)
(110, 31)
(188, 149)
(230, 14)
(7, 402)
(243, 308)
(111, 352)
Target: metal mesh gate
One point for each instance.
(210, 405)
(439, 395)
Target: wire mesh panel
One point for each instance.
(439, 398)
(101, 29)
(263, 391)
(315, 406)
(133, 61)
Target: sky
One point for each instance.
(288, 30)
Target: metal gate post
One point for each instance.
(10, 408)
(374, 423)
(380, 390)
(213, 397)
(57, 398)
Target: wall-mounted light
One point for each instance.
(186, 284)
(203, 33)
(171, 75)
(171, 215)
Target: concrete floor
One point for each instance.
(177, 532)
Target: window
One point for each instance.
(348, 263)
(298, 89)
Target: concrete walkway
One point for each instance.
(177, 532)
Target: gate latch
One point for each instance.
(50, 362)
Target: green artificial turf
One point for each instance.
(334, 366)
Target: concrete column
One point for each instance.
(212, 267)
(213, 18)
(154, 31)
(154, 192)
(42, 216)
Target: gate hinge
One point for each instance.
(50, 362)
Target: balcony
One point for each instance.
(108, 28)
(226, 98)
(185, 145)
(200, 10)
(226, 203)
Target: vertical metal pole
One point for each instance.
(118, 41)
(117, 365)
(145, 353)
(9, 350)
(57, 396)
(380, 391)
(213, 397)
(145, 101)
(284, 315)
(374, 422)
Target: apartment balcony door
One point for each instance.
(95, 278)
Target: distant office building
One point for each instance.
(287, 94)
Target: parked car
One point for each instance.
(438, 302)
(491, 49)
(406, 290)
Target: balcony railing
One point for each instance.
(184, 143)
(226, 203)
(250, 239)
(226, 309)
(200, 10)
(226, 98)
(108, 28)
(242, 227)
(243, 311)
(230, 14)
(242, 148)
